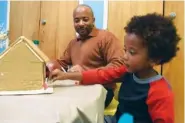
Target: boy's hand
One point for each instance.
(56, 75)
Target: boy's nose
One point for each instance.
(125, 56)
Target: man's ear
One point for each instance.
(93, 20)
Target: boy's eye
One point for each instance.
(132, 52)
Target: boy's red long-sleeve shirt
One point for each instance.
(149, 100)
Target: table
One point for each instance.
(71, 104)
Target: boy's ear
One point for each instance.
(154, 62)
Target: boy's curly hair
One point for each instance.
(159, 34)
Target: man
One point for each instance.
(92, 48)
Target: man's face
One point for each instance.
(83, 21)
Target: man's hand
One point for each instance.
(76, 68)
(56, 75)
(50, 66)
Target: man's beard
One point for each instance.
(87, 30)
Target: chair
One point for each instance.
(111, 109)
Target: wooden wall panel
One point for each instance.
(47, 35)
(58, 30)
(118, 15)
(174, 71)
(31, 18)
(65, 30)
(15, 20)
(120, 12)
(24, 19)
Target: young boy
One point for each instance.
(150, 40)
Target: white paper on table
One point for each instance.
(48, 90)
(66, 82)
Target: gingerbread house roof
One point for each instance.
(30, 45)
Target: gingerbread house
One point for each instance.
(22, 66)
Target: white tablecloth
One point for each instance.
(75, 104)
